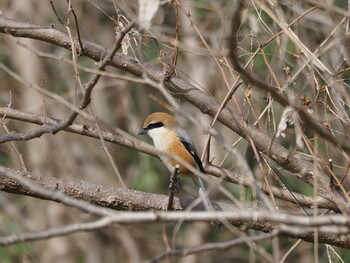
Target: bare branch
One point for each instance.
(219, 246)
(70, 193)
(282, 98)
(329, 227)
(178, 87)
(118, 138)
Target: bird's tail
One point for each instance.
(203, 195)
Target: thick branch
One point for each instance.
(201, 100)
(340, 141)
(275, 151)
(321, 202)
(120, 198)
(111, 197)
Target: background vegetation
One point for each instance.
(77, 183)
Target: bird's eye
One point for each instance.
(155, 125)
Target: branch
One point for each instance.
(70, 192)
(77, 194)
(177, 86)
(58, 126)
(56, 37)
(118, 138)
(218, 246)
(339, 141)
(323, 202)
(55, 232)
(207, 104)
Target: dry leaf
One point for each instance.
(289, 117)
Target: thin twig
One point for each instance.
(290, 250)
(171, 69)
(71, 9)
(278, 96)
(130, 142)
(199, 99)
(219, 246)
(56, 13)
(172, 187)
(109, 156)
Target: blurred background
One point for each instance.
(125, 104)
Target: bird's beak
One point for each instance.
(143, 131)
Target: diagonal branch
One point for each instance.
(279, 96)
(89, 87)
(120, 139)
(207, 104)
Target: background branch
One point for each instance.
(118, 138)
(270, 137)
(207, 105)
(120, 198)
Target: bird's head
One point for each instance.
(157, 123)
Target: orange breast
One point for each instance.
(177, 148)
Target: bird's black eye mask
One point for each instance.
(154, 125)
(151, 126)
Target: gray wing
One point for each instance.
(187, 142)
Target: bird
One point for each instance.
(168, 136)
